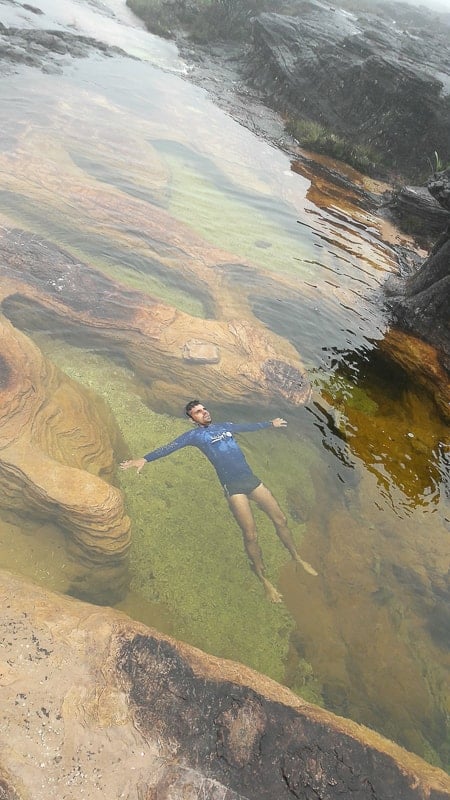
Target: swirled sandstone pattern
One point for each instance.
(56, 444)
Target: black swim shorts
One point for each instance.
(244, 485)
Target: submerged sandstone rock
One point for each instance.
(57, 452)
(46, 288)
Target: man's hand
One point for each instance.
(137, 463)
(279, 423)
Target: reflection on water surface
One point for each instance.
(135, 173)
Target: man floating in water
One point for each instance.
(216, 441)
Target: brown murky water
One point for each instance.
(363, 472)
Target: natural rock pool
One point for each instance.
(141, 179)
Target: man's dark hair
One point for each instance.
(189, 406)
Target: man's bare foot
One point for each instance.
(271, 593)
(306, 566)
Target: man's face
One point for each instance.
(200, 415)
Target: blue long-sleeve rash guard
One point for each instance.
(216, 441)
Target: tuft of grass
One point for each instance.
(314, 136)
(437, 164)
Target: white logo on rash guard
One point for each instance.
(220, 437)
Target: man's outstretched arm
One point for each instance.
(160, 452)
(249, 427)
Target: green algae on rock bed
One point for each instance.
(198, 200)
(187, 552)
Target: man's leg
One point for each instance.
(266, 501)
(240, 507)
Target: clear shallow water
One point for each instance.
(116, 159)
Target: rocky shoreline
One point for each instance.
(95, 703)
(379, 77)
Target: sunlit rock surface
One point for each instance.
(57, 451)
(45, 288)
(95, 703)
(417, 212)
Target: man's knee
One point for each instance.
(278, 516)
(250, 535)
(280, 519)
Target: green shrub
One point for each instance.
(316, 137)
(437, 164)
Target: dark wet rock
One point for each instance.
(408, 262)
(367, 79)
(248, 743)
(288, 379)
(417, 212)
(420, 304)
(439, 187)
(46, 50)
(33, 9)
(423, 210)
